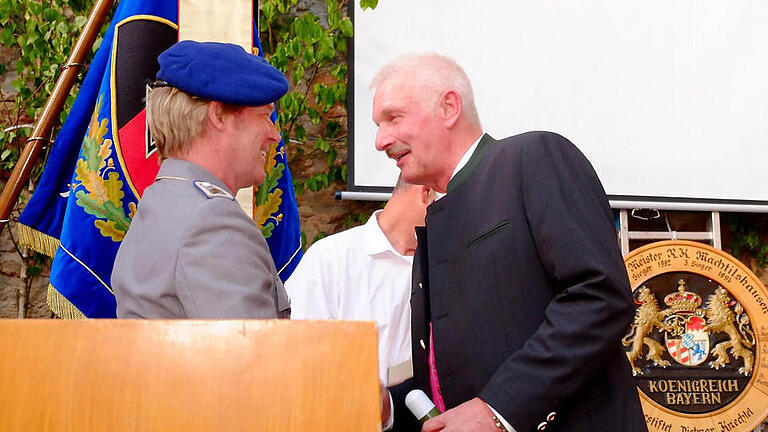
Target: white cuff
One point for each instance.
(502, 420)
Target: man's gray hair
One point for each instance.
(431, 75)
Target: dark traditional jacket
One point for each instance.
(519, 271)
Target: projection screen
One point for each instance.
(667, 98)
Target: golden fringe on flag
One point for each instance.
(37, 241)
(61, 306)
(45, 244)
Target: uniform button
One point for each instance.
(542, 426)
(420, 285)
(551, 416)
(424, 347)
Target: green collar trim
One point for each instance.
(470, 167)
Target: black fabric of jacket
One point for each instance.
(519, 271)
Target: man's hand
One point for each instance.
(386, 409)
(471, 416)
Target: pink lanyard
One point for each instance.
(434, 384)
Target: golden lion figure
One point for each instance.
(720, 318)
(647, 317)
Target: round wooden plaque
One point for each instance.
(698, 345)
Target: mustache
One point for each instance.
(397, 149)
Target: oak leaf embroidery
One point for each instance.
(266, 211)
(103, 194)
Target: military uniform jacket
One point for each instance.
(191, 252)
(518, 270)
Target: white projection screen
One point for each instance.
(667, 98)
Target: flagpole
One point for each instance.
(40, 134)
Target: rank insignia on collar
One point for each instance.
(212, 191)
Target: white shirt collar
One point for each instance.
(376, 241)
(463, 161)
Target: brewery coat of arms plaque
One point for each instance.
(698, 345)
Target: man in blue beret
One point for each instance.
(191, 251)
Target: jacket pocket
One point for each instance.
(489, 232)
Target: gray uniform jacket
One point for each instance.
(191, 252)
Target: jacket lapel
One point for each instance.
(473, 163)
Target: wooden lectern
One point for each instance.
(147, 375)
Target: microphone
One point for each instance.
(421, 405)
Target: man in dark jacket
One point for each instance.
(520, 296)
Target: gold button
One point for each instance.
(542, 426)
(551, 416)
(421, 341)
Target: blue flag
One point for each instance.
(275, 209)
(102, 160)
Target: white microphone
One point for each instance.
(421, 405)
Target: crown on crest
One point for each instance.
(682, 300)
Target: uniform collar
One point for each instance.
(190, 171)
(375, 241)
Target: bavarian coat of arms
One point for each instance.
(688, 329)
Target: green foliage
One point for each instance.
(320, 235)
(355, 219)
(303, 241)
(43, 33)
(9, 154)
(368, 4)
(745, 237)
(312, 53)
(36, 263)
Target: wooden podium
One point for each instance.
(147, 375)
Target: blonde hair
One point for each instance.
(174, 118)
(431, 75)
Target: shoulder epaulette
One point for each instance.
(211, 190)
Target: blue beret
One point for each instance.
(222, 72)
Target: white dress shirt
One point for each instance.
(357, 275)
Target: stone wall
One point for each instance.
(14, 288)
